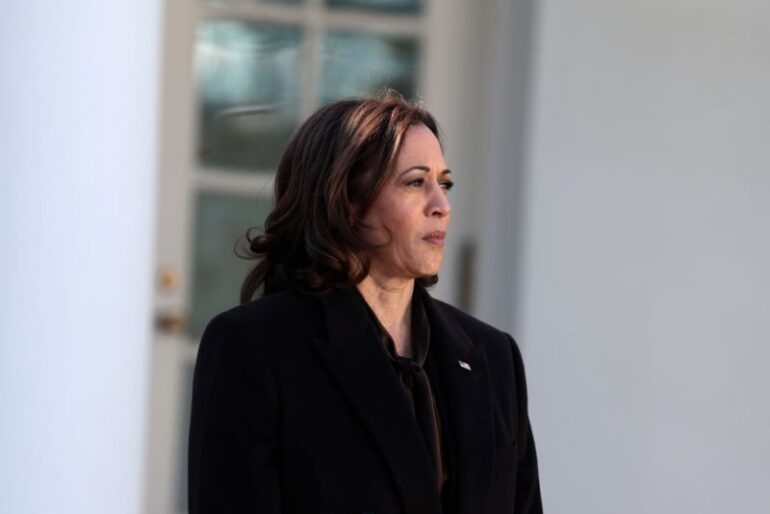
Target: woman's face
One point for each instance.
(414, 207)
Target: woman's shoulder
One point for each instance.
(479, 331)
(497, 343)
(502, 351)
(274, 315)
(272, 306)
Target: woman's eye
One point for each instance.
(419, 182)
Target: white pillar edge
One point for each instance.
(77, 197)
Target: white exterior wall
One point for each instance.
(78, 137)
(644, 306)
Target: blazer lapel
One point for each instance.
(361, 368)
(464, 376)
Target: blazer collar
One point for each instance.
(359, 363)
(465, 382)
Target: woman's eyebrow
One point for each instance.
(425, 169)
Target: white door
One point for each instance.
(238, 78)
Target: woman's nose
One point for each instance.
(439, 202)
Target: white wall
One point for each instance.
(644, 311)
(78, 171)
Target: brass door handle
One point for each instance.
(170, 321)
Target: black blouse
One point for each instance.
(415, 379)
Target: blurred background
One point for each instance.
(611, 213)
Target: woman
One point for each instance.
(345, 388)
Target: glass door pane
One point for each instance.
(221, 219)
(248, 81)
(362, 63)
(405, 6)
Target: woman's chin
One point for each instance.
(433, 269)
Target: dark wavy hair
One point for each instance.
(329, 175)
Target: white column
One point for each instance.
(77, 183)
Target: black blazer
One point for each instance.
(296, 409)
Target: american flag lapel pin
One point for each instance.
(464, 365)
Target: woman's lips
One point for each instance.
(435, 238)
